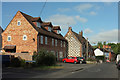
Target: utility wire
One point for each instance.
(43, 8)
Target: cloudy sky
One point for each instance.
(97, 20)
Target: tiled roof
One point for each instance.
(46, 24)
(82, 39)
(42, 30)
(56, 28)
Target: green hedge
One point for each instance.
(44, 58)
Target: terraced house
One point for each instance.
(26, 34)
(78, 45)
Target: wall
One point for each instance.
(57, 50)
(74, 46)
(17, 32)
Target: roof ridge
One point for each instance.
(26, 14)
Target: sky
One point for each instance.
(97, 20)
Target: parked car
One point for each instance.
(118, 58)
(72, 59)
(82, 59)
(118, 65)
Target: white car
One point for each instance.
(118, 58)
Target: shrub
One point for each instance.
(22, 63)
(100, 58)
(44, 58)
(91, 59)
(15, 62)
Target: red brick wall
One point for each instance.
(17, 32)
(50, 47)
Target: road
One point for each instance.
(107, 71)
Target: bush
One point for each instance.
(91, 59)
(15, 62)
(44, 58)
(22, 63)
(100, 58)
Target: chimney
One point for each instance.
(99, 47)
(81, 33)
(70, 29)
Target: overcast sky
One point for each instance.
(98, 20)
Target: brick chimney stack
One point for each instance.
(81, 33)
(70, 29)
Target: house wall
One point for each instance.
(16, 32)
(59, 51)
(74, 46)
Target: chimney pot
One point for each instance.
(70, 29)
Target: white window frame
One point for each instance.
(24, 36)
(61, 43)
(18, 22)
(49, 29)
(52, 42)
(9, 37)
(41, 39)
(60, 54)
(38, 24)
(46, 40)
(64, 43)
(58, 31)
(56, 42)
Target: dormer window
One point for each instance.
(58, 31)
(18, 23)
(38, 24)
(49, 29)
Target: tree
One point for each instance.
(104, 43)
(99, 44)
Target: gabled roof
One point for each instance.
(79, 37)
(46, 24)
(42, 30)
(56, 28)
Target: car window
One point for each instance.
(73, 57)
(69, 57)
(80, 58)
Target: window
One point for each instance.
(46, 40)
(58, 31)
(41, 39)
(56, 42)
(52, 42)
(24, 37)
(61, 54)
(64, 43)
(38, 24)
(18, 23)
(9, 38)
(49, 29)
(61, 43)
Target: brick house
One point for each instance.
(109, 55)
(77, 44)
(26, 34)
(1, 30)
